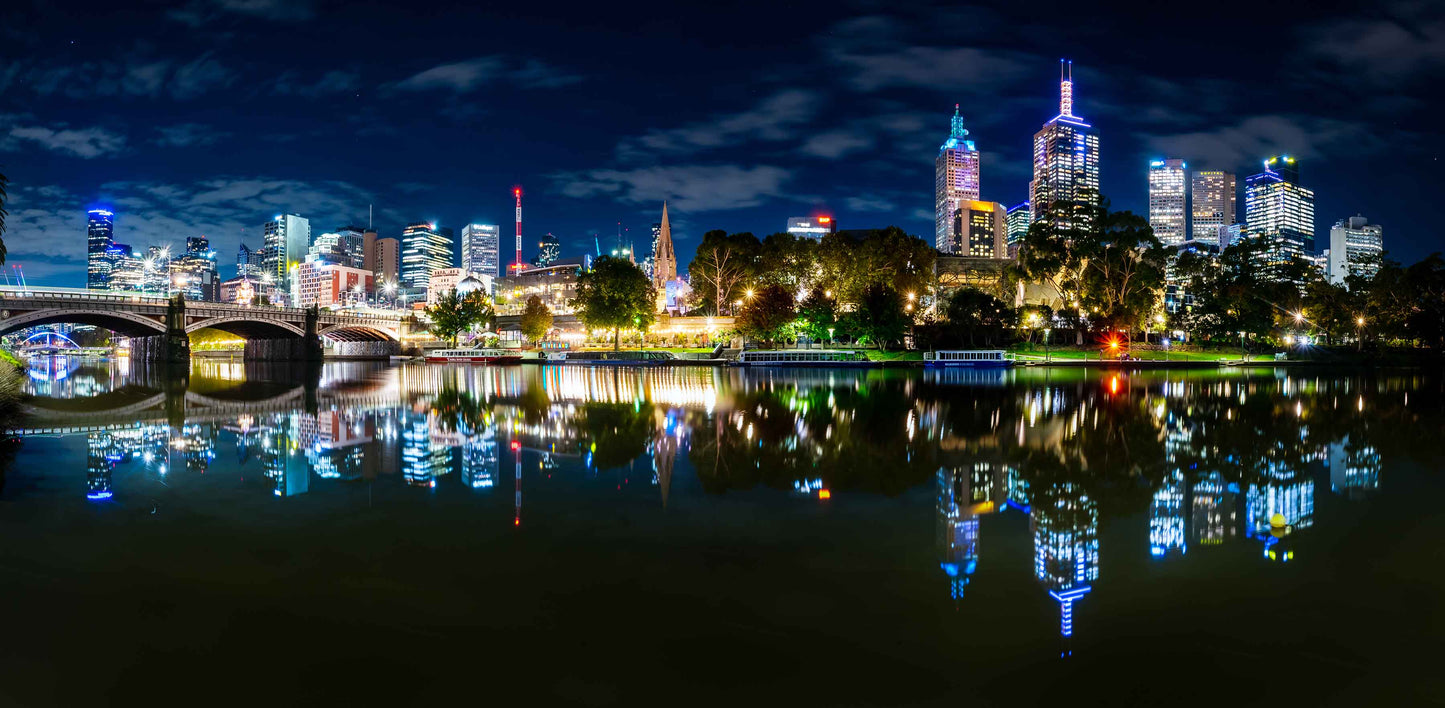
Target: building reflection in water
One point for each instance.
(1065, 525)
(1214, 505)
(1166, 518)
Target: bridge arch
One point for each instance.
(127, 324)
(249, 327)
(359, 333)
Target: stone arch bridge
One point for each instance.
(158, 327)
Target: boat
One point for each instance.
(612, 358)
(474, 356)
(972, 358)
(803, 357)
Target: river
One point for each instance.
(410, 535)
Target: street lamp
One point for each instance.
(1359, 334)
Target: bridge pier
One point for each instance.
(365, 350)
(290, 349)
(161, 348)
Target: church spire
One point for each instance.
(664, 261)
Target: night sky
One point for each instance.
(209, 117)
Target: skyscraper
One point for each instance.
(1065, 190)
(956, 180)
(351, 242)
(1213, 193)
(981, 229)
(549, 249)
(287, 238)
(194, 272)
(424, 248)
(813, 227)
(480, 246)
(386, 259)
(1017, 220)
(248, 262)
(664, 261)
(100, 236)
(1166, 201)
(1355, 247)
(1279, 210)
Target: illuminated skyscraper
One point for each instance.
(1279, 210)
(194, 272)
(424, 248)
(956, 179)
(351, 243)
(813, 227)
(1017, 222)
(981, 231)
(549, 249)
(1213, 193)
(1065, 525)
(1356, 246)
(287, 238)
(100, 236)
(386, 260)
(1065, 190)
(480, 246)
(1166, 201)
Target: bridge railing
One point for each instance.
(96, 296)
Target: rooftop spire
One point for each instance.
(1066, 88)
(957, 131)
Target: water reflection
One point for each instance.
(1208, 459)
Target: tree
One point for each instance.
(849, 266)
(787, 260)
(453, 314)
(1123, 270)
(613, 295)
(1239, 292)
(818, 314)
(536, 319)
(974, 314)
(880, 318)
(722, 264)
(768, 315)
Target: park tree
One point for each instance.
(976, 315)
(880, 317)
(1239, 291)
(536, 319)
(1123, 270)
(454, 313)
(1330, 308)
(722, 265)
(786, 259)
(768, 315)
(615, 294)
(818, 314)
(849, 266)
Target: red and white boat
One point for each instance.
(475, 356)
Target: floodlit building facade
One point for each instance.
(1065, 188)
(99, 237)
(813, 227)
(1017, 221)
(1213, 195)
(424, 248)
(287, 240)
(956, 180)
(983, 230)
(1167, 198)
(1356, 246)
(1280, 210)
(481, 244)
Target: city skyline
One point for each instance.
(171, 167)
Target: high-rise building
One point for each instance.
(955, 181)
(664, 260)
(1281, 211)
(424, 248)
(1017, 220)
(982, 230)
(194, 272)
(814, 227)
(351, 242)
(1065, 189)
(480, 246)
(100, 236)
(1166, 201)
(248, 262)
(387, 260)
(549, 249)
(1213, 193)
(1356, 246)
(287, 238)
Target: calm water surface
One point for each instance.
(427, 534)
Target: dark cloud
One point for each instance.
(17, 133)
(202, 12)
(694, 188)
(290, 83)
(1245, 143)
(776, 118)
(472, 74)
(188, 135)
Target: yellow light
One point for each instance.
(824, 494)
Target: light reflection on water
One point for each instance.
(1213, 459)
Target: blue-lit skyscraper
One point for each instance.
(100, 236)
(1017, 222)
(956, 183)
(1065, 190)
(1280, 211)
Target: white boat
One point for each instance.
(972, 358)
(474, 356)
(621, 357)
(803, 357)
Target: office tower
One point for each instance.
(387, 259)
(1356, 247)
(1017, 222)
(248, 262)
(328, 248)
(480, 246)
(287, 239)
(1213, 193)
(664, 260)
(813, 227)
(980, 231)
(955, 181)
(194, 272)
(424, 248)
(1065, 189)
(351, 242)
(549, 249)
(1166, 201)
(1065, 525)
(100, 236)
(1280, 211)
